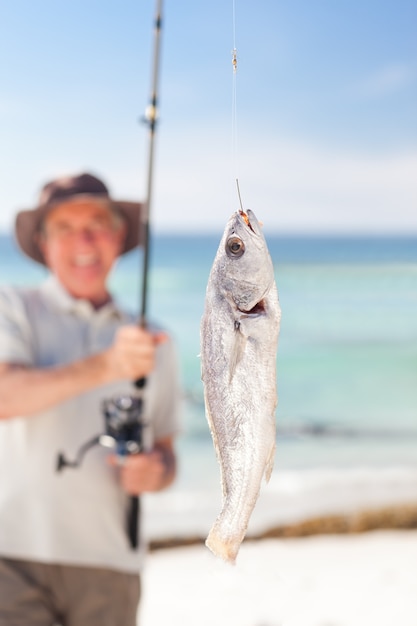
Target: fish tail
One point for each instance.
(223, 547)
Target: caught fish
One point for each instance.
(239, 335)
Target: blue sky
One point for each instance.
(326, 109)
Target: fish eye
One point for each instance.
(235, 247)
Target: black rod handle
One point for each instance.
(133, 521)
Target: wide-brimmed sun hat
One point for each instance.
(28, 222)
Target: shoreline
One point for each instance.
(394, 517)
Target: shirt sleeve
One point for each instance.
(166, 396)
(15, 333)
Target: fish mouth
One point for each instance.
(251, 221)
(245, 218)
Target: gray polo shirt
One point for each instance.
(78, 516)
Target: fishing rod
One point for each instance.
(124, 414)
(151, 119)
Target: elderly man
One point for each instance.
(65, 557)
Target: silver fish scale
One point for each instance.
(238, 353)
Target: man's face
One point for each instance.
(80, 241)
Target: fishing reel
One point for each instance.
(123, 430)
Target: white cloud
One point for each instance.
(386, 80)
(292, 186)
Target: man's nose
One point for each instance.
(85, 234)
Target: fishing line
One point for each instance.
(234, 96)
(235, 164)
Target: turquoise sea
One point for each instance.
(347, 360)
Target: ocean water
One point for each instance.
(347, 370)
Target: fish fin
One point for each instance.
(238, 348)
(269, 465)
(215, 441)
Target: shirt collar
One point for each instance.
(55, 291)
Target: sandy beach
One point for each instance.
(323, 548)
(365, 579)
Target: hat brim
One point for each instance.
(28, 224)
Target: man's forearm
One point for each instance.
(165, 446)
(25, 391)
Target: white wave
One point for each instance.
(291, 496)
